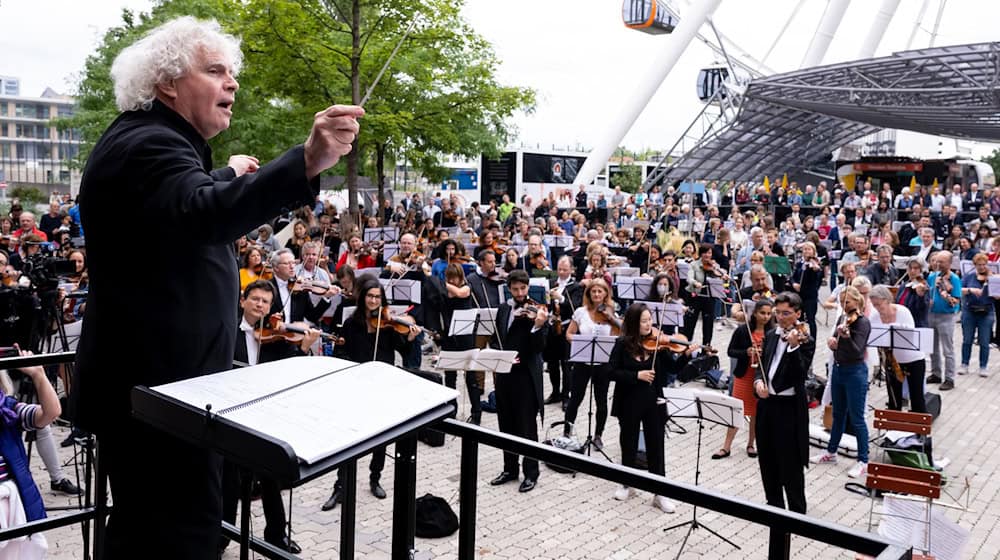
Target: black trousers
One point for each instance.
(705, 308)
(517, 412)
(915, 381)
(270, 496)
(167, 495)
(653, 418)
(582, 375)
(778, 453)
(374, 468)
(557, 367)
(471, 385)
(809, 308)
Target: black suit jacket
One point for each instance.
(270, 352)
(486, 292)
(151, 171)
(529, 346)
(793, 367)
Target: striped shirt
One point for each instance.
(26, 418)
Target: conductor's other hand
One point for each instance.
(646, 375)
(242, 164)
(332, 135)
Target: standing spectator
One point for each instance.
(581, 198)
(977, 314)
(972, 199)
(946, 293)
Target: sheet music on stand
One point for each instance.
(389, 250)
(667, 314)
(487, 359)
(316, 405)
(480, 322)
(965, 267)
(564, 241)
(896, 226)
(682, 269)
(593, 349)
(370, 272)
(993, 267)
(900, 338)
(900, 263)
(708, 405)
(401, 289)
(622, 271)
(634, 287)
(386, 234)
(993, 283)
(716, 289)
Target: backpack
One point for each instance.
(435, 518)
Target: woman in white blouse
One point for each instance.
(595, 317)
(911, 362)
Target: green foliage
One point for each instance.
(28, 196)
(629, 177)
(994, 160)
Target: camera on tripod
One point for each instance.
(44, 268)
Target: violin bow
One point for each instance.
(746, 321)
(493, 318)
(659, 328)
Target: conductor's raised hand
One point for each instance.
(333, 133)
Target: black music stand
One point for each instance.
(591, 350)
(701, 405)
(388, 234)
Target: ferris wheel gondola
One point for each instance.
(649, 16)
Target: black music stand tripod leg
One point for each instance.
(589, 444)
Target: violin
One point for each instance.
(498, 276)
(277, 331)
(538, 260)
(528, 310)
(676, 343)
(802, 328)
(309, 285)
(386, 319)
(461, 259)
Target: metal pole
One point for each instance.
(781, 33)
(937, 23)
(779, 545)
(663, 63)
(404, 514)
(828, 25)
(916, 23)
(348, 475)
(880, 23)
(246, 482)
(467, 499)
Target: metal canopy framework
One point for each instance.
(788, 121)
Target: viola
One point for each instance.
(401, 323)
(309, 285)
(275, 330)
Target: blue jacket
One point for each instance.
(12, 449)
(938, 303)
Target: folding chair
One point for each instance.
(904, 480)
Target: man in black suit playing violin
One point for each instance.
(252, 350)
(521, 326)
(782, 411)
(294, 305)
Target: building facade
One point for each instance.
(33, 152)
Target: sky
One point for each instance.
(578, 56)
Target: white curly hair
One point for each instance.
(167, 53)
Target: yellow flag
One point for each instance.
(935, 183)
(913, 183)
(767, 184)
(784, 181)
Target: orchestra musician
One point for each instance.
(782, 411)
(909, 364)
(564, 297)
(806, 279)
(408, 261)
(596, 317)
(156, 156)
(294, 305)
(640, 376)
(459, 297)
(703, 303)
(369, 337)
(255, 303)
(485, 282)
(357, 256)
(521, 325)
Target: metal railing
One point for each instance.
(782, 523)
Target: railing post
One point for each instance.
(467, 489)
(404, 516)
(780, 545)
(348, 475)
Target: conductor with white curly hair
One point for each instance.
(151, 170)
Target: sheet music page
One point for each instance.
(233, 387)
(905, 524)
(330, 414)
(455, 359)
(499, 361)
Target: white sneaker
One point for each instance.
(624, 493)
(964, 369)
(825, 458)
(665, 505)
(983, 372)
(860, 469)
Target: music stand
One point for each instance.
(590, 350)
(401, 290)
(385, 234)
(701, 405)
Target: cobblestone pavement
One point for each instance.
(567, 517)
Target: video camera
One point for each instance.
(44, 269)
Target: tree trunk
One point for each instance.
(380, 177)
(353, 157)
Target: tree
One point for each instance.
(438, 96)
(994, 160)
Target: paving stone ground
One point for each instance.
(567, 517)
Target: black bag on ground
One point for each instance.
(698, 367)
(435, 518)
(933, 402)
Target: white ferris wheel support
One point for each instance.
(877, 30)
(675, 46)
(820, 43)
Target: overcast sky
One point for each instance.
(578, 56)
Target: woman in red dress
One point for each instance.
(744, 348)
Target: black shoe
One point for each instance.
(553, 399)
(932, 378)
(476, 418)
(503, 478)
(334, 499)
(66, 487)
(377, 490)
(527, 485)
(286, 544)
(74, 435)
(947, 385)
